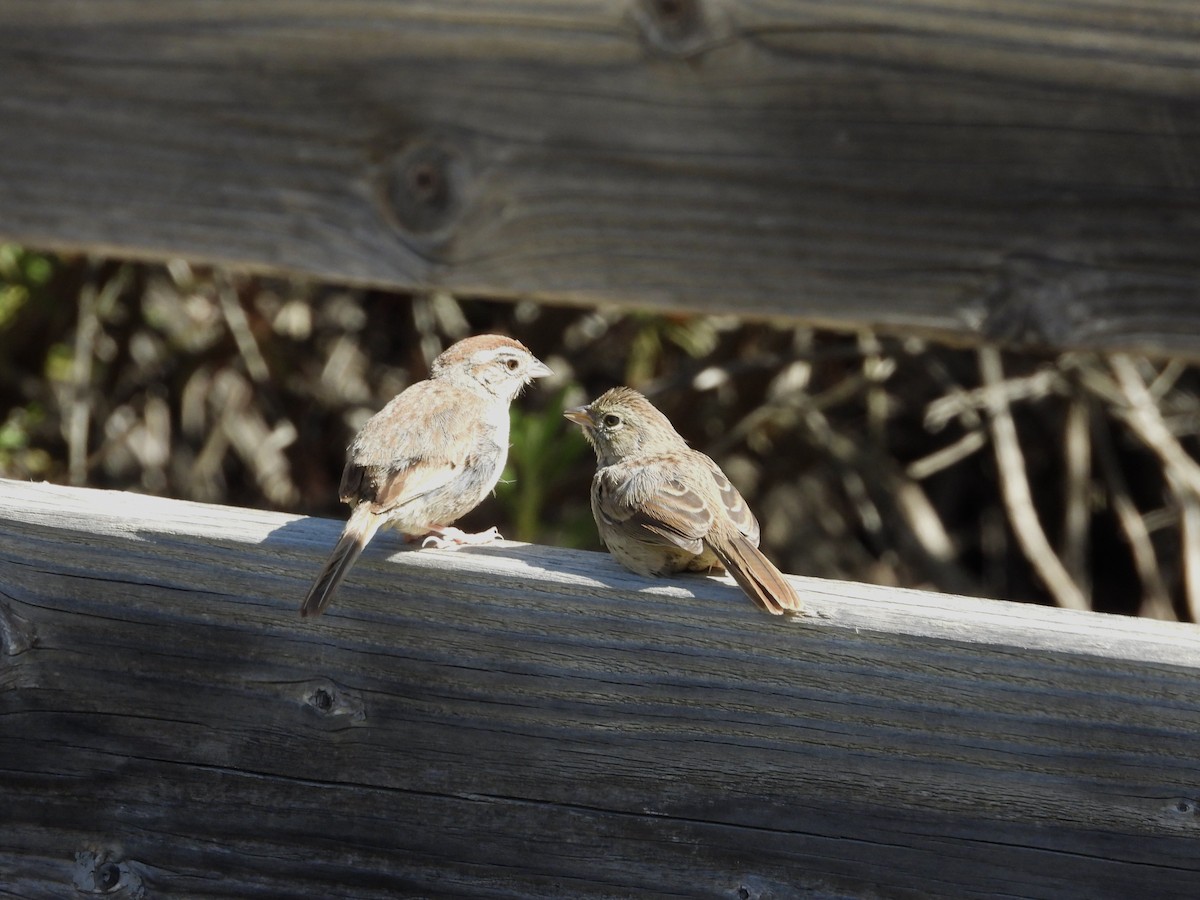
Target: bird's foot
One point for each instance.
(451, 538)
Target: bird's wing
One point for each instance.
(653, 505)
(388, 488)
(734, 502)
(417, 444)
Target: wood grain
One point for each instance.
(515, 720)
(1000, 169)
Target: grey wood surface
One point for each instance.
(515, 720)
(965, 168)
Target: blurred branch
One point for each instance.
(259, 445)
(967, 445)
(1014, 485)
(1189, 528)
(1077, 511)
(92, 305)
(239, 327)
(1181, 471)
(1156, 601)
(876, 370)
(1142, 416)
(869, 476)
(80, 403)
(964, 404)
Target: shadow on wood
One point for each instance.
(527, 721)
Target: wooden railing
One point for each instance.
(526, 721)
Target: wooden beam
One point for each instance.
(514, 720)
(998, 169)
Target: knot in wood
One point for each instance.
(674, 27)
(333, 703)
(424, 190)
(1039, 302)
(108, 877)
(98, 871)
(755, 887)
(322, 700)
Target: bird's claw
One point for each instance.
(453, 538)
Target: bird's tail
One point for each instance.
(358, 532)
(757, 575)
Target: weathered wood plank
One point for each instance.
(527, 721)
(995, 168)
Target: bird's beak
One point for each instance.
(579, 415)
(539, 369)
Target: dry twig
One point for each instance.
(1181, 471)
(1156, 600)
(1014, 485)
(1077, 514)
(1143, 417)
(1189, 527)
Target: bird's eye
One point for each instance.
(611, 420)
(512, 364)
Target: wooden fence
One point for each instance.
(967, 168)
(525, 721)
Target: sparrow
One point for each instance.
(431, 455)
(662, 507)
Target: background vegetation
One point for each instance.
(1065, 479)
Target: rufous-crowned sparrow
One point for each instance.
(431, 455)
(661, 507)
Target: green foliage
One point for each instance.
(694, 335)
(19, 458)
(59, 360)
(25, 280)
(540, 458)
(22, 275)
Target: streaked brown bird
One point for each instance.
(431, 455)
(662, 507)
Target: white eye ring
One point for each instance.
(611, 420)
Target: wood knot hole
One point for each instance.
(108, 877)
(671, 10)
(426, 184)
(322, 700)
(425, 189)
(337, 707)
(678, 27)
(98, 870)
